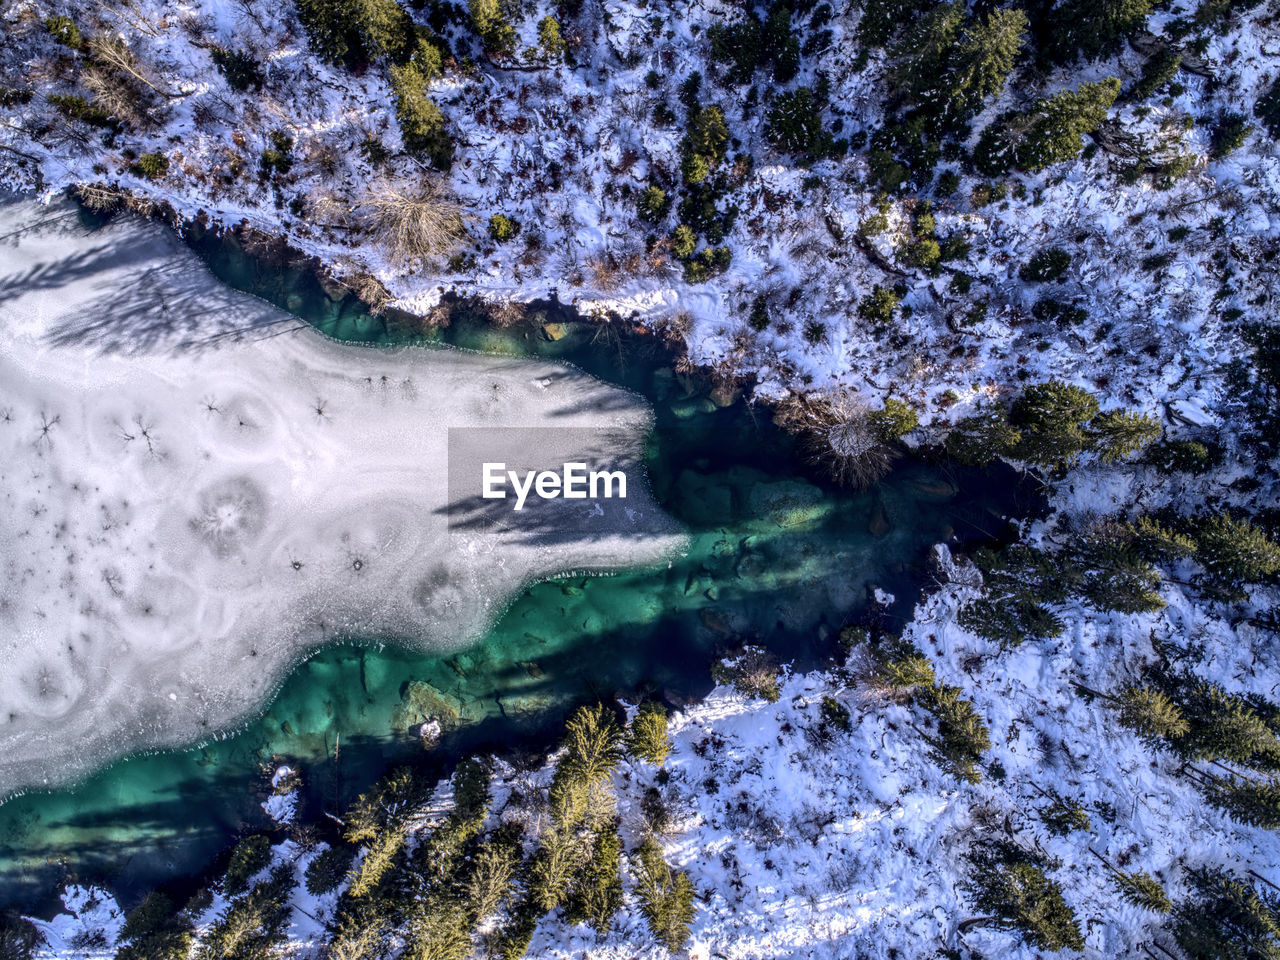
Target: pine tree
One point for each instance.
(1225, 918)
(550, 39)
(1010, 884)
(559, 856)
(385, 800)
(386, 29)
(962, 734)
(1050, 132)
(1142, 890)
(1113, 575)
(986, 57)
(1224, 726)
(666, 897)
(1051, 417)
(593, 740)
(153, 930)
(648, 738)
(924, 55)
(907, 672)
(1094, 27)
(893, 421)
(794, 124)
(333, 29)
(704, 143)
(596, 893)
(422, 124)
(491, 24)
(1064, 816)
(1151, 714)
(250, 856)
(378, 860)
(438, 930)
(982, 438)
(492, 872)
(1157, 543)
(1256, 802)
(1119, 433)
(1235, 551)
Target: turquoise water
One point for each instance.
(777, 556)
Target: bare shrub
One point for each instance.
(414, 225)
(753, 671)
(112, 53)
(100, 198)
(508, 313)
(605, 271)
(839, 435)
(118, 96)
(370, 290)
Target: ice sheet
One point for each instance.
(195, 489)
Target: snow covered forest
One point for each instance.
(1045, 234)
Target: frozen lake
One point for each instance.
(196, 488)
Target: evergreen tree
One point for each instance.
(794, 124)
(555, 864)
(924, 55)
(250, 856)
(328, 869)
(1113, 575)
(1064, 816)
(1267, 109)
(422, 124)
(593, 740)
(986, 57)
(1234, 551)
(1151, 714)
(333, 29)
(438, 930)
(153, 930)
(908, 672)
(253, 925)
(1094, 27)
(666, 897)
(386, 800)
(492, 872)
(704, 143)
(491, 24)
(948, 66)
(980, 439)
(1223, 726)
(550, 39)
(1119, 433)
(1051, 417)
(1142, 890)
(378, 860)
(893, 421)
(1019, 583)
(1256, 802)
(648, 738)
(1157, 543)
(386, 29)
(596, 893)
(1225, 918)
(962, 734)
(1050, 132)
(1010, 884)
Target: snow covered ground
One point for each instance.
(1158, 260)
(197, 489)
(804, 841)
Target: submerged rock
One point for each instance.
(788, 503)
(423, 702)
